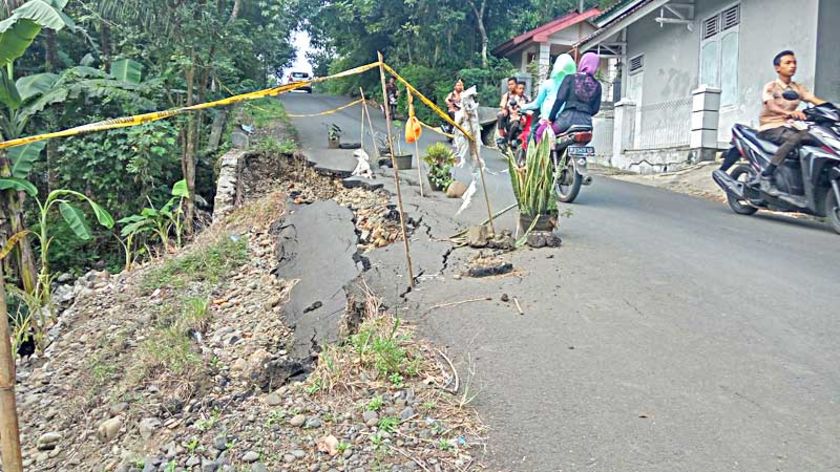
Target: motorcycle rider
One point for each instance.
(579, 96)
(781, 99)
(514, 106)
(564, 65)
(502, 117)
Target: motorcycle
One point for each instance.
(809, 182)
(569, 155)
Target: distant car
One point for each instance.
(298, 77)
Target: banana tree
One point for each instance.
(17, 32)
(75, 219)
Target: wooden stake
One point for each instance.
(416, 146)
(396, 171)
(474, 151)
(9, 431)
(366, 113)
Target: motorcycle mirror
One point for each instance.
(790, 94)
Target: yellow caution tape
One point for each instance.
(136, 120)
(428, 102)
(328, 112)
(437, 130)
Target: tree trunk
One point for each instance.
(105, 43)
(479, 15)
(234, 14)
(188, 159)
(12, 209)
(9, 432)
(50, 49)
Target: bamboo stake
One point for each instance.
(9, 431)
(419, 167)
(416, 146)
(366, 113)
(396, 171)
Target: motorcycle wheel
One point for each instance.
(742, 174)
(832, 210)
(568, 183)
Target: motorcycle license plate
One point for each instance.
(581, 151)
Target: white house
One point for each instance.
(690, 69)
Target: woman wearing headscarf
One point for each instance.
(579, 96)
(564, 66)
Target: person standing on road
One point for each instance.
(781, 99)
(393, 94)
(453, 100)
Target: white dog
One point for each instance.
(363, 166)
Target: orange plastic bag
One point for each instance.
(413, 130)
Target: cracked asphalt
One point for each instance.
(667, 334)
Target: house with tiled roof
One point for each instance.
(690, 69)
(544, 43)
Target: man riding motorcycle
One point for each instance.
(781, 99)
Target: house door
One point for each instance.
(634, 94)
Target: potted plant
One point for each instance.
(533, 186)
(333, 136)
(440, 159)
(402, 161)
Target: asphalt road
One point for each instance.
(667, 334)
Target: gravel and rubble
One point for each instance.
(183, 363)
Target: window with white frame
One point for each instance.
(719, 53)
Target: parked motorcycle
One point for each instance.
(570, 156)
(810, 180)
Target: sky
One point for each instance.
(301, 41)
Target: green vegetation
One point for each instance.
(430, 43)
(375, 403)
(208, 263)
(533, 184)
(440, 159)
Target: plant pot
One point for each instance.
(544, 222)
(333, 143)
(403, 162)
(435, 186)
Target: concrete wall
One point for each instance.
(828, 53)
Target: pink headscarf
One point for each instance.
(589, 63)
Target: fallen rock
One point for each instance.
(483, 266)
(250, 456)
(477, 236)
(313, 422)
(48, 441)
(328, 444)
(273, 400)
(148, 426)
(407, 413)
(109, 429)
(297, 421)
(538, 239)
(456, 189)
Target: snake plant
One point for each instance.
(533, 183)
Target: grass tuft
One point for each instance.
(207, 263)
